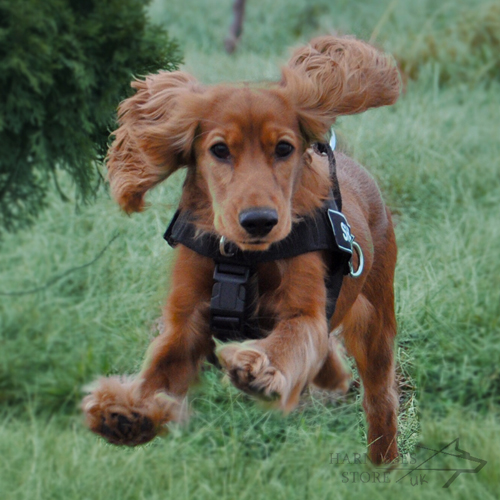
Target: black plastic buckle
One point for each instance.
(229, 297)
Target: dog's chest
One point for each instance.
(269, 277)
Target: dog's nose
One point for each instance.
(258, 221)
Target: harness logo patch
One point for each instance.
(341, 230)
(346, 231)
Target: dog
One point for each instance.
(247, 149)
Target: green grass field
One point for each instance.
(436, 157)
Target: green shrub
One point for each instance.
(64, 67)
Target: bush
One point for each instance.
(64, 67)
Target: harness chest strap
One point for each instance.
(235, 289)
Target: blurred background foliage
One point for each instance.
(64, 66)
(436, 157)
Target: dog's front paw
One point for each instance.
(251, 371)
(116, 410)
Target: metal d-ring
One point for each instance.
(222, 247)
(361, 263)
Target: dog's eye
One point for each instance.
(283, 149)
(221, 151)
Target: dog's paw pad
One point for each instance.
(116, 410)
(251, 371)
(126, 430)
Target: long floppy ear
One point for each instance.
(154, 137)
(338, 76)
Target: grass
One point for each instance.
(435, 155)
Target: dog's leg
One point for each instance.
(369, 338)
(333, 375)
(133, 411)
(281, 365)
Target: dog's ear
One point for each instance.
(154, 138)
(337, 76)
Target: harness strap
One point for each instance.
(310, 234)
(324, 148)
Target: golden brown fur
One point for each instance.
(172, 122)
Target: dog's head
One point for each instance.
(245, 147)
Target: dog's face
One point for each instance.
(245, 147)
(248, 152)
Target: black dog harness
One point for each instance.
(235, 289)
